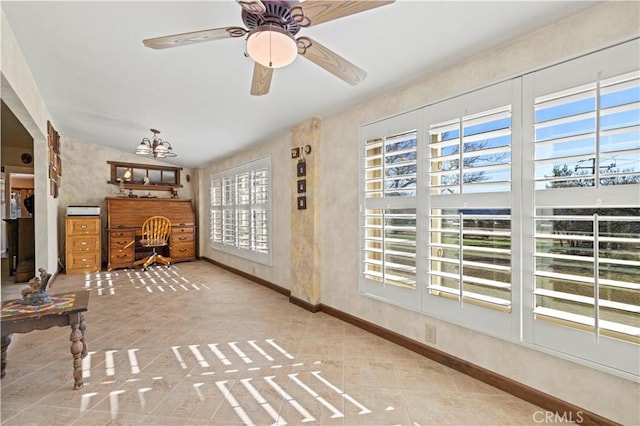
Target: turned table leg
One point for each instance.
(83, 327)
(5, 345)
(78, 348)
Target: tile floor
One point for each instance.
(198, 345)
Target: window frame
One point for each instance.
(405, 296)
(475, 315)
(545, 333)
(224, 235)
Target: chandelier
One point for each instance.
(156, 147)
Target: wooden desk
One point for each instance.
(124, 222)
(66, 309)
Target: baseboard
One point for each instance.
(248, 276)
(304, 304)
(561, 409)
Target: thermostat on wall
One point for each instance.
(83, 211)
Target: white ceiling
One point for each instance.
(103, 86)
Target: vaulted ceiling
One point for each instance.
(103, 86)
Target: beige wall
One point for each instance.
(608, 395)
(282, 176)
(20, 92)
(11, 156)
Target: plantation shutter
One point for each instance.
(228, 211)
(587, 135)
(469, 244)
(240, 210)
(259, 210)
(585, 209)
(469, 160)
(388, 232)
(587, 262)
(215, 229)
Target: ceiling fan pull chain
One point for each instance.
(270, 47)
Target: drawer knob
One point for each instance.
(84, 226)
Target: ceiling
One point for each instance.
(103, 86)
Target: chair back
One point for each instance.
(155, 231)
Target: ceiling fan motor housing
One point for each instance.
(278, 13)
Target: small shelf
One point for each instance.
(147, 177)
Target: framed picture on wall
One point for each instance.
(302, 203)
(55, 162)
(302, 186)
(58, 166)
(301, 168)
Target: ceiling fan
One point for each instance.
(271, 27)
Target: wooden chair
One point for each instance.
(155, 233)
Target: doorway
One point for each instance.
(17, 179)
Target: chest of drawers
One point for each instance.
(83, 244)
(183, 245)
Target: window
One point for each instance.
(585, 208)
(479, 161)
(587, 136)
(240, 211)
(470, 256)
(514, 209)
(390, 164)
(578, 286)
(468, 268)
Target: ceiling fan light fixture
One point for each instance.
(271, 46)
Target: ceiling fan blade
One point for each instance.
(183, 39)
(253, 6)
(261, 80)
(316, 12)
(330, 61)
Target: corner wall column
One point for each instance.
(305, 215)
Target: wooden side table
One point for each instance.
(65, 309)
